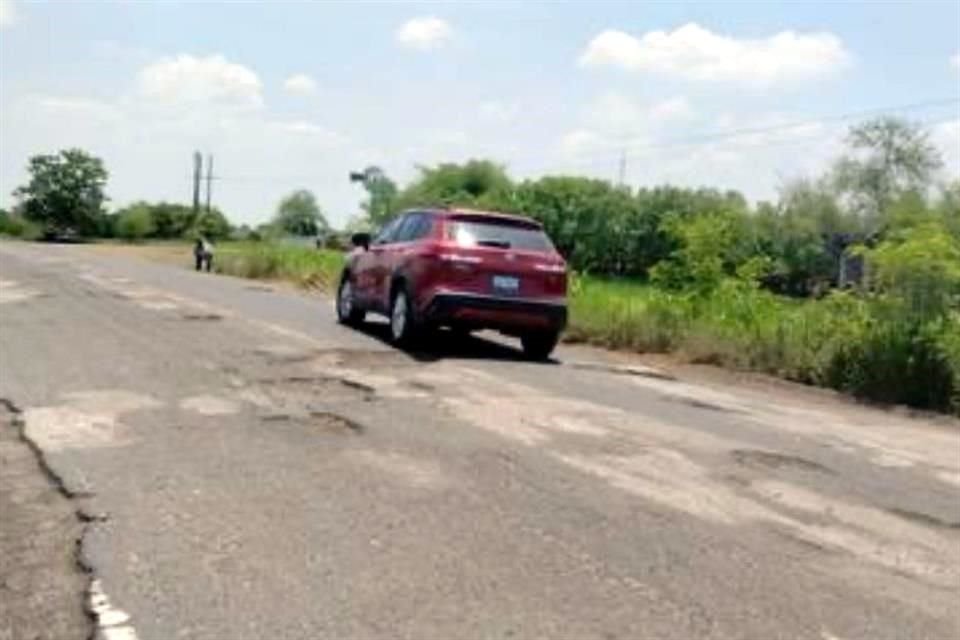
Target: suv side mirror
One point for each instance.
(361, 240)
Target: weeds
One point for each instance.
(847, 342)
(304, 266)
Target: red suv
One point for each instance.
(467, 270)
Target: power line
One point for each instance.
(735, 133)
(588, 160)
(622, 143)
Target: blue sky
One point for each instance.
(291, 95)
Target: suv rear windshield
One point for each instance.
(495, 233)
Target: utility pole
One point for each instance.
(623, 167)
(197, 171)
(209, 179)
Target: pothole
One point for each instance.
(702, 404)
(202, 317)
(360, 358)
(422, 386)
(324, 385)
(924, 519)
(333, 423)
(774, 460)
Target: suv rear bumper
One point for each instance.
(491, 312)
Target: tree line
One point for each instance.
(65, 198)
(886, 181)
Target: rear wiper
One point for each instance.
(500, 244)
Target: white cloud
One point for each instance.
(424, 33)
(955, 61)
(8, 13)
(187, 79)
(300, 84)
(498, 111)
(692, 52)
(259, 155)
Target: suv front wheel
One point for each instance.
(348, 312)
(539, 345)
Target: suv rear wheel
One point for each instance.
(403, 325)
(539, 346)
(348, 312)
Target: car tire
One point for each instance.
(404, 329)
(539, 346)
(348, 311)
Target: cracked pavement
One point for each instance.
(249, 469)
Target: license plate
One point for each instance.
(506, 285)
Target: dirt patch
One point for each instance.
(180, 254)
(774, 460)
(42, 586)
(12, 291)
(207, 405)
(623, 370)
(336, 424)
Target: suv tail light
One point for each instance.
(459, 258)
(550, 268)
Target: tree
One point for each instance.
(298, 214)
(135, 222)
(212, 225)
(65, 192)
(381, 194)
(890, 156)
(171, 220)
(948, 207)
(805, 235)
(708, 251)
(475, 183)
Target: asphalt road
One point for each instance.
(249, 469)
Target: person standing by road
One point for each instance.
(203, 254)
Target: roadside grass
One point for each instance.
(845, 341)
(848, 342)
(304, 266)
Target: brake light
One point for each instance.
(550, 268)
(459, 258)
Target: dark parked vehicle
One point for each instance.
(468, 270)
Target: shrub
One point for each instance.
(18, 227)
(134, 223)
